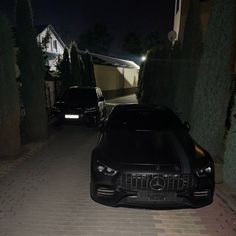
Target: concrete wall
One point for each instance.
(116, 81)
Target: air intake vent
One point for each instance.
(105, 191)
(201, 193)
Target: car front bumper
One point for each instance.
(77, 118)
(106, 191)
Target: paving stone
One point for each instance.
(47, 194)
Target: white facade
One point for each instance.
(177, 17)
(55, 47)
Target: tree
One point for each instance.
(157, 81)
(212, 89)
(139, 93)
(88, 75)
(132, 43)
(9, 96)
(44, 45)
(150, 40)
(32, 74)
(64, 70)
(229, 168)
(98, 39)
(76, 67)
(188, 63)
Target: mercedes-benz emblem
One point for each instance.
(157, 183)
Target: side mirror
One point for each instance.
(101, 99)
(187, 125)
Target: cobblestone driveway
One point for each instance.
(48, 195)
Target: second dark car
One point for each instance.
(145, 157)
(84, 105)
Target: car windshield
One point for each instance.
(80, 96)
(141, 120)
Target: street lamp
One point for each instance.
(143, 58)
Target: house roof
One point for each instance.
(40, 28)
(111, 61)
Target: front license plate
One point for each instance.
(152, 196)
(69, 116)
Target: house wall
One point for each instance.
(181, 16)
(205, 9)
(180, 19)
(116, 81)
(53, 50)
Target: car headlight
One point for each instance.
(204, 171)
(199, 151)
(101, 168)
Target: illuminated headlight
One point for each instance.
(69, 116)
(101, 168)
(204, 171)
(92, 109)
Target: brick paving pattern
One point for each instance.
(48, 195)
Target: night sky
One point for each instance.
(73, 17)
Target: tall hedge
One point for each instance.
(229, 168)
(64, 69)
(32, 69)
(188, 63)
(88, 73)
(9, 96)
(157, 85)
(76, 67)
(212, 89)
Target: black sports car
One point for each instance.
(145, 157)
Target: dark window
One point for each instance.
(55, 44)
(51, 43)
(80, 96)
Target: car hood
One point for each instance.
(145, 147)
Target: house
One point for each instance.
(113, 75)
(55, 46)
(180, 15)
(54, 49)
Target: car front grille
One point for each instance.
(155, 182)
